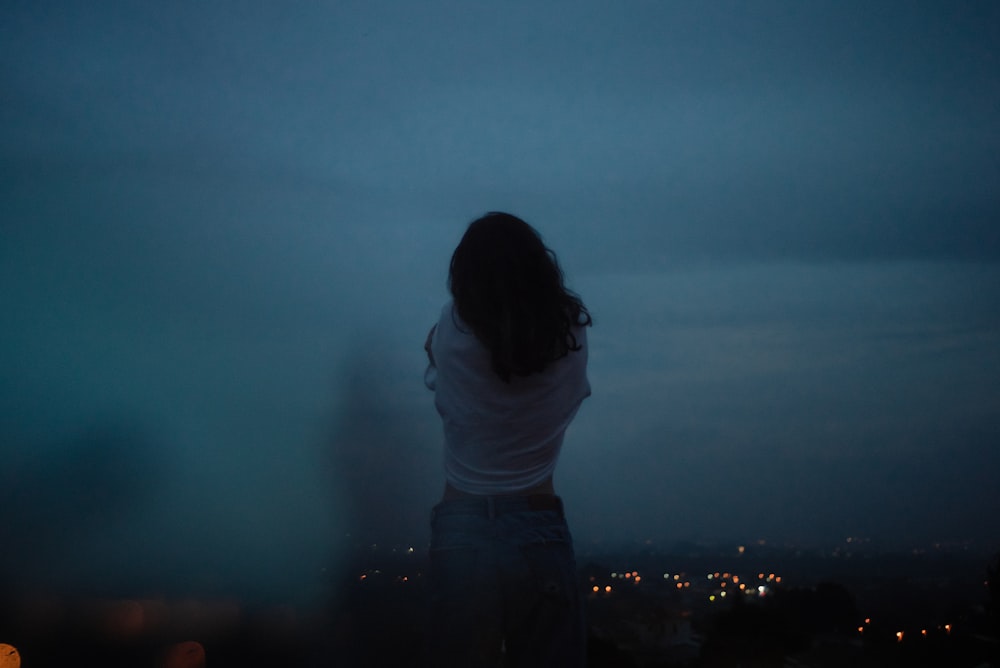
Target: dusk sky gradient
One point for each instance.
(225, 230)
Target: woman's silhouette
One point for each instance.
(508, 364)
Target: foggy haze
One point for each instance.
(225, 232)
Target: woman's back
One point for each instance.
(508, 364)
(501, 437)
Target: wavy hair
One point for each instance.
(508, 287)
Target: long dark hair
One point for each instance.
(508, 287)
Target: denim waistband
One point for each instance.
(492, 506)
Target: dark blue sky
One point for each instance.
(225, 232)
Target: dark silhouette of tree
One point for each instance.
(763, 632)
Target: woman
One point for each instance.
(508, 365)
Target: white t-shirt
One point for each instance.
(500, 438)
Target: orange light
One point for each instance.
(607, 589)
(742, 587)
(868, 620)
(9, 658)
(687, 584)
(637, 578)
(777, 579)
(861, 629)
(736, 579)
(760, 576)
(923, 632)
(596, 589)
(680, 585)
(899, 636)
(947, 628)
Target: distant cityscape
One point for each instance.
(698, 605)
(707, 605)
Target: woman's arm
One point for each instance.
(427, 345)
(430, 375)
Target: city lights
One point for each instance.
(9, 656)
(713, 588)
(704, 592)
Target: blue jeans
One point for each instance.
(503, 585)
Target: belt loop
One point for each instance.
(491, 508)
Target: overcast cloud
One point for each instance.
(225, 230)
